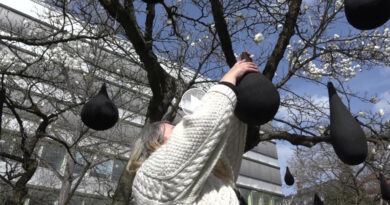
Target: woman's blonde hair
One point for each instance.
(150, 139)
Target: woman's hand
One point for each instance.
(238, 70)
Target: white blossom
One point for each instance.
(336, 36)
(321, 129)
(188, 37)
(373, 100)
(193, 44)
(169, 21)
(381, 112)
(361, 114)
(388, 147)
(212, 26)
(280, 25)
(373, 151)
(259, 37)
(339, 3)
(239, 18)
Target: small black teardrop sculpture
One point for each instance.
(385, 187)
(317, 200)
(100, 113)
(288, 177)
(367, 14)
(347, 137)
(257, 98)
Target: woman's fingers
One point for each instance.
(250, 66)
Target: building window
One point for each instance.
(267, 199)
(53, 156)
(119, 166)
(278, 200)
(81, 162)
(246, 194)
(257, 198)
(102, 170)
(10, 143)
(5, 146)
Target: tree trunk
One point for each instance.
(124, 189)
(20, 191)
(66, 182)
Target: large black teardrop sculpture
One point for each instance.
(367, 14)
(100, 113)
(347, 137)
(257, 98)
(385, 187)
(317, 200)
(288, 177)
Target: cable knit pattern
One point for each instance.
(179, 172)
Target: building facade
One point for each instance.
(95, 163)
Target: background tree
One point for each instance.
(318, 170)
(295, 40)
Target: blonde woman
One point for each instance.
(197, 161)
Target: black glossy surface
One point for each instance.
(347, 137)
(288, 177)
(367, 14)
(385, 187)
(100, 113)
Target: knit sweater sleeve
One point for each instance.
(177, 171)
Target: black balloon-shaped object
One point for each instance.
(317, 200)
(347, 137)
(288, 177)
(100, 113)
(257, 98)
(367, 14)
(385, 187)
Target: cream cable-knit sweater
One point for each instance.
(179, 172)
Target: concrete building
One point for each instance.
(259, 180)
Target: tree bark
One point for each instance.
(163, 85)
(66, 181)
(284, 39)
(123, 191)
(222, 31)
(19, 192)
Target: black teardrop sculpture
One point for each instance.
(385, 187)
(257, 98)
(317, 200)
(288, 177)
(347, 137)
(367, 14)
(100, 113)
